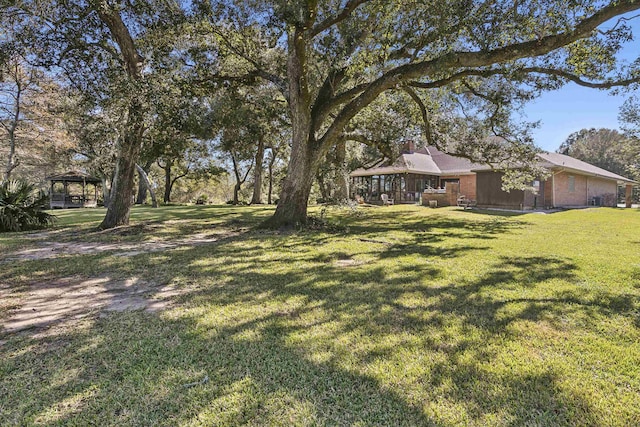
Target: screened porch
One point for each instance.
(403, 187)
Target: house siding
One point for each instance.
(490, 193)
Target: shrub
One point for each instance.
(22, 207)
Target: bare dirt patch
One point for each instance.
(50, 250)
(67, 299)
(61, 301)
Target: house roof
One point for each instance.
(427, 161)
(449, 164)
(556, 160)
(431, 161)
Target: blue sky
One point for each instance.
(575, 107)
(570, 109)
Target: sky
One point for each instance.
(574, 107)
(570, 109)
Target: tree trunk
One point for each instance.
(141, 194)
(106, 191)
(257, 175)
(122, 190)
(142, 185)
(168, 183)
(239, 178)
(119, 207)
(292, 205)
(324, 192)
(305, 153)
(147, 185)
(12, 163)
(342, 181)
(272, 160)
(236, 190)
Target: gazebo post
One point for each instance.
(65, 184)
(628, 194)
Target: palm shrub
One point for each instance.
(22, 207)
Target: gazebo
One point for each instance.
(69, 190)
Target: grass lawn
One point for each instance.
(399, 316)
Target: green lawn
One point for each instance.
(400, 316)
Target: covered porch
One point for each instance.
(402, 187)
(73, 189)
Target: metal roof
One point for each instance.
(431, 161)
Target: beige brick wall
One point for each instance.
(565, 197)
(585, 189)
(604, 188)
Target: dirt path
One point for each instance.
(48, 250)
(63, 300)
(67, 299)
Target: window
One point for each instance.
(536, 187)
(444, 182)
(572, 183)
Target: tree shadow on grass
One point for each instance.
(289, 336)
(132, 369)
(379, 223)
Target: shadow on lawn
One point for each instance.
(285, 344)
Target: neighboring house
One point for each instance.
(425, 173)
(571, 183)
(415, 171)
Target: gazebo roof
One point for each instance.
(74, 176)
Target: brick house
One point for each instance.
(429, 174)
(572, 183)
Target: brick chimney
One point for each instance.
(408, 147)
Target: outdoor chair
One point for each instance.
(465, 203)
(386, 200)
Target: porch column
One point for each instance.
(628, 193)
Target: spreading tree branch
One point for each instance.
(477, 59)
(423, 112)
(331, 21)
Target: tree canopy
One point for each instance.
(332, 59)
(463, 66)
(605, 148)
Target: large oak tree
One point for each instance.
(333, 58)
(95, 47)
